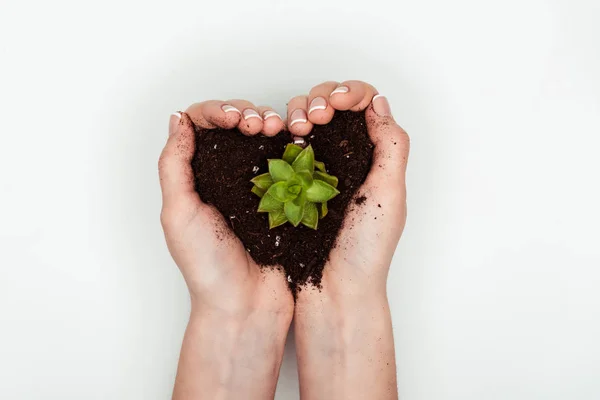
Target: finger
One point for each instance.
(251, 122)
(174, 168)
(378, 219)
(392, 144)
(352, 95)
(272, 121)
(297, 115)
(214, 114)
(182, 205)
(320, 112)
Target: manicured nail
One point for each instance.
(250, 113)
(298, 116)
(381, 106)
(174, 122)
(318, 103)
(269, 114)
(340, 89)
(299, 141)
(229, 108)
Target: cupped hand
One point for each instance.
(368, 238)
(240, 314)
(217, 269)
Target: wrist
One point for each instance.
(228, 356)
(234, 321)
(345, 344)
(346, 288)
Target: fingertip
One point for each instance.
(174, 163)
(320, 112)
(342, 89)
(174, 122)
(272, 123)
(352, 95)
(299, 123)
(383, 129)
(226, 117)
(251, 123)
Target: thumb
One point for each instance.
(174, 165)
(377, 224)
(181, 202)
(391, 142)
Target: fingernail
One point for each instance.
(340, 89)
(269, 114)
(318, 103)
(381, 106)
(250, 113)
(298, 116)
(299, 141)
(229, 108)
(174, 122)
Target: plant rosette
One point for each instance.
(296, 189)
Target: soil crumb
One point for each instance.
(360, 200)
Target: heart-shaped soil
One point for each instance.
(226, 160)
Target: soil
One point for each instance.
(226, 160)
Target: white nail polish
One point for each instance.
(174, 121)
(269, 114)
(250, 113)
(316, 108)
(376, 97)
(297, 121)
(227, 108)
(299, 141)
(341, 89)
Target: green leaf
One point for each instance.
(325, 177)
(294, 180)
(291, 152)
(324, 210)
(269, 204)
(263, 181)
(320, 192)
(279, 191)
(294, 184)
(294, 189)
(305, 178)
(320, 166)
(258, 191)
(305, 160)
(277, 218)
(311, 215)
(294, 210)
(280, 170)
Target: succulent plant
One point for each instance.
(293, 191)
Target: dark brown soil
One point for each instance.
(226, 160)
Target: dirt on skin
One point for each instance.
(226, 160)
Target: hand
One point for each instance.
(343, 332)
(240, 315)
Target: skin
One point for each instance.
(240, 317)
(343, 333)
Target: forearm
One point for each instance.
(230, 357)
(345, 346)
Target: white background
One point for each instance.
(494, 289)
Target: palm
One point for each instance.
(376, 227)
(213, 261)
(371, 231)
(226, 276)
